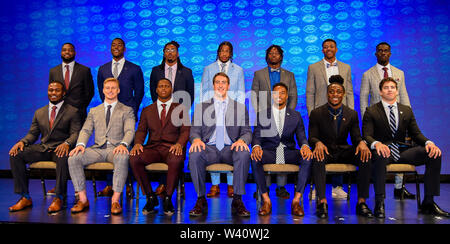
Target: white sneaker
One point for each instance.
(338, 193)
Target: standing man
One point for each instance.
(220, 133)
(168, 135)
(370, 95)
(113, 124)
(263, 81)
(77, 79)
(329, 127)
(57, 124)
(316, 92)
(236, 92)
(384, 128)
(275, 142)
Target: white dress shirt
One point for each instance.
(226, 66)
(381, 71)
(174, 72)
(332, 70)
(71, 65)
(50, 108)
(119, 68)
(160, 107)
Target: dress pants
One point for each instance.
(211, 155)
(157, 154)
(345, 155)
(31, 155)
(291, 157)
(415, 156)
(93, 155)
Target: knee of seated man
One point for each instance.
(121, 157)
(242, 155)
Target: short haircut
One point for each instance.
(120, 39)
(59, 82)
(280, 84)
(280, 50)
(157, 83)
(336, 79)
(382, 43)
(68, 43)
(225, 43)
(329, 40)
(221, 74)
(111, 79)
(385, 80)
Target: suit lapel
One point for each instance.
(60, 73)
(75, 72)
(345, 120)
(58, 117)
(383, 116)
(267, 77)
(164, 123)
(324, 72)
(154, 114)
(46, 119)
(124, 69)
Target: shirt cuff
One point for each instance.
(256, 146)
(80, 144)
(372, 146)
(428, 142)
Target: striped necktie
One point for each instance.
(393, 127)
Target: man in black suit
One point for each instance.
(57, 124)
(329, 128)
(384, 128)
(77, 79)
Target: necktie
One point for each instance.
(393, 127)
(116, 70)
(52, 116)
(275, 70)
(385, 72)
(163, 113)
(220, 127)
(280, 148)
(333, 64)
(67, 77)
(108, 115)
(170, 75)
(223, 67)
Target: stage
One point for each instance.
(340, 211)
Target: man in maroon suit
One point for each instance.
(167, 126)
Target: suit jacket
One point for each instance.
(266, 134)
(317, 82)
(131, 81)
(120, 127)
(184, 81)
(376, 126)
(81, 86)
(236, 122)
(162, 133)
(65, 128)
(261, 82)
(237, 85)
(370, 90)
(322, 128)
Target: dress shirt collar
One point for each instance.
(169, 102)
(113, 105)
(380, 67)
(386, 105)
(58, 105)
(71, 64)
(326, 62)
(121, 61)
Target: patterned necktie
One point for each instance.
(220, 127)
(223, 67)
(163, 113)
(393, 127)
(280, 148)
(52, 116)
(170, 75)
(108, 115)
(116, 70)
(67, 77)
(386, 75)
(329, 65)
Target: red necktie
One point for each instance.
(67, 77)
(385, 72)
(163, 114)
(52, 116)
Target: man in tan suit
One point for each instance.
(113, 123)
(370, 95)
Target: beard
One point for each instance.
(68, 60)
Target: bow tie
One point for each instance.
(333, 64)
(275, 70)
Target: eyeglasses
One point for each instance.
(172, 50)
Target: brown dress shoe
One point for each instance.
(116, 208)
(160, 190)
(51, 192)
(56, 205)
(80, 207)
(23, 203)
(200, 208)
(106, 192)
(265, 209)
(214, 191)
(238, 207)
(297, 209)
(230, 191)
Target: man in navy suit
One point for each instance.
(220, 133)
(274, 142)
(129, 75)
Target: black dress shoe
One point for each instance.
(238, 207)
(200, 208)
(433, 209)
(322, 210)
(364, 210)
(152, 202)
(406, 194)
(168, 206)
(379, 211)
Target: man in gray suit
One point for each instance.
(220, 133)
(370, 95)
(113, 123)
(263, 81)
(317, 81)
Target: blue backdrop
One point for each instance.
(32, 32)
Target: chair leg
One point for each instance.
(349, 187)
(310, 189)
(94, 185)
(137, 190)
(43, 183)
(416, 176)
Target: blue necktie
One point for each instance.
(220, 127)
(329, 65)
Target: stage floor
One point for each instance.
(340, 211)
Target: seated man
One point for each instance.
(220, 133)
(329, 127)
(384, 128)
(167, 138)
(58, 124)
(113, 123)
(274, 142)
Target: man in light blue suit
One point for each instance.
(236, 92)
